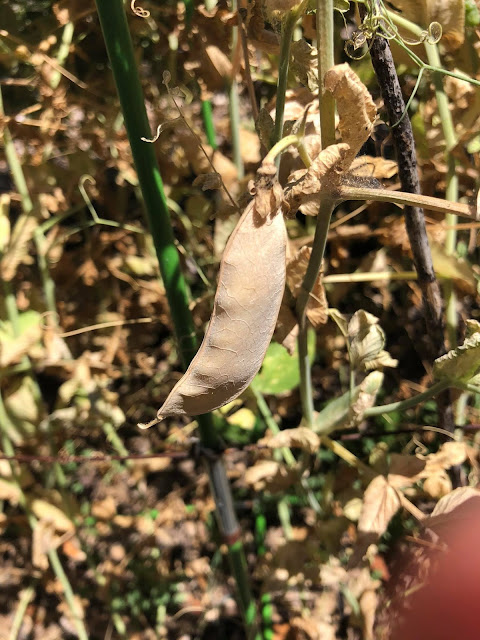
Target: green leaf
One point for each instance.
(280, 372)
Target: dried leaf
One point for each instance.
(247, 301)
(454, 268)
(17, 250)
(458, 509)
(300, 438)
(356, 109)
(367, 340)
(271, 476)
(220, 61)
(373, 167)
(265, 126)
(303, 188)
(267, 190)
(438, 485)
(453, 501)
(462, 363)
(317, 303)
(50, 513)
(208, 181)
(449, 455)
(12, 349)
(405, 470)
(43, 541)
(364, 398)
(304, 64)
(380, 504)
(286, 330)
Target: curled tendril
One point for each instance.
(139, 11)
(434, 32)
(380, 24)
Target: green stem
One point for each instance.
(311, 275)
(25, 599)
(324, 20)
(403, 405)
(122, 59)
(121, 54)
(326, 60)
(208, 123)
(63, 51)
(451, 193)
(288, 27)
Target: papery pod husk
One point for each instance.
(250, 288)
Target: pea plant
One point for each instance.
(260, 280)
(323, 154)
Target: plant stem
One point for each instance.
(451, 192)
(403, 405)
(311, 275)
(324, 19)
(208, 123)
(120, 51)
(404, 144)
(25, 599)
(325, 48)
(350, 192)
(288, 27)
(234, 103)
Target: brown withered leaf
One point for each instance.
(304, 186)
(405, 470)
(367, 339)
(374, 167)
(265, 126)
(304, 64)
(250, 147)
(220, 61)
(458, 507)
(286, 329)
(317, 305)
(48, 512)
(267, 191)
(437, 485)
(208, 181)
(364, 398)
(199, 163)
(43, 541)
(356, 109)
(299, 438)
(270, 475)
(449, 455)
(380, 504)
(17, 251)
(250, 289)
